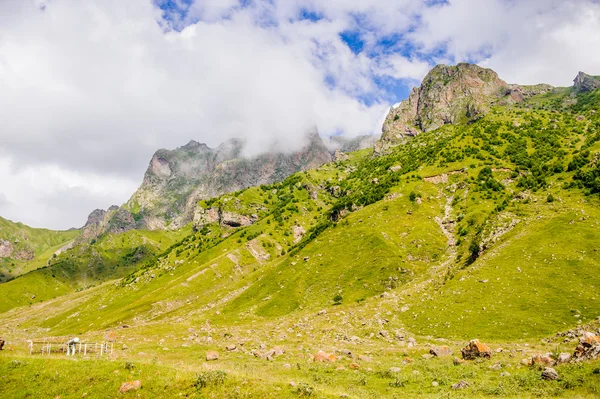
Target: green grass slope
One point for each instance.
(30, 248)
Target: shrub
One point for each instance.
(337, 300)
(304, 390)
(210, 378)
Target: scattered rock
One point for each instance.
(458, 362)
(440, 351)
(476, 349)
(130, 386)
(549, 374)
(505, 374)
(322, 312)
(435, 383)
(394, 369)
(124, 347)
(324, 357)
(411, 342)
(365, 358)
(543, 360)
(564, 358)
(588, 348)
(427, 356)
(460, 385)
(354, 366)
(231, 347)
(212, 355)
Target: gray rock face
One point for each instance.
(448, 95)
(549, 374)
(177, 179)
(584, 82)
(6, 249)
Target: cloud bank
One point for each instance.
(90, 89)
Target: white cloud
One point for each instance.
(528, 42)
(50, 195)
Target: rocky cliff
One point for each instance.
(585, 83)
(450, 94)
(177, 179)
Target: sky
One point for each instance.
(90, 89)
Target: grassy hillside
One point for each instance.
(483, 230)
(27, 248)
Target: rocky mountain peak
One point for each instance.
(176, 179)
(448, 95)
(195, 146)
(95, 217)
(584, 82)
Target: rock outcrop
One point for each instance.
(475, 349)
(448, 95)
(177, 179)
(585, 83)
(588, 348)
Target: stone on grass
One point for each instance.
(324, 357)
(365, 358)
(588, 348)
(440, 351)
(130, 386)
(458, 362)
(354, 366)
(564, 358)
(212, 355)
(460, 385)
(544, 360)
(231, 347)
(549, 374)
(394, 369)
(476, 349)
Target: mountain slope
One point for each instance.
(23, 248)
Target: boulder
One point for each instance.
(564, 358)
(212, 355)
(365, 358)
(476, 349)
(458, 362)
(460, 385)
(324, 357)
(588, 348)
(544, 360)
(549, 374)
(440, 351)
(130, 386)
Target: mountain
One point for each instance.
(362, 277)
(449, 95)
(177, 179)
